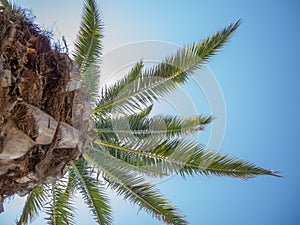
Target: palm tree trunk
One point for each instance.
(44, 113)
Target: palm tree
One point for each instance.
(60, 146)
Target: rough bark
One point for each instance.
(44, 113)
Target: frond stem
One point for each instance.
(88, 158)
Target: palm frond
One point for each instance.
(161, 126)
(106, 127)
(71, 185)
(110, 124)
(166, 76)
(34, 203)
(135, 189)
(90, 81)
(186, 158)
(60, 210)
(6, 4)
(127, 163)
(88, 47)
(93, 195)
(108, 94)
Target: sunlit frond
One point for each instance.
(92, 193)
(35, 202)
(187, 158)
(166, 76)
(134, 188)
(105, 127)
(60, 209)
(88, 47)
(161, 126)
(108, 94)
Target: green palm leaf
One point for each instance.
(60, 210)
(185, 157)
(107, 128)
(166, 76)
(108, 94)
(92, 193)
(160, 126)
(34, 203)
(128, 163)
(6, 4)
(88, 47)
(134, 188)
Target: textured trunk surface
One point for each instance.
(44, 113)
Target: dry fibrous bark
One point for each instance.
(44, 113)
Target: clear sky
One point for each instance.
(259, 77)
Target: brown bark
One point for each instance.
(44, 113)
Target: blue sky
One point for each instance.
(259, 77)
